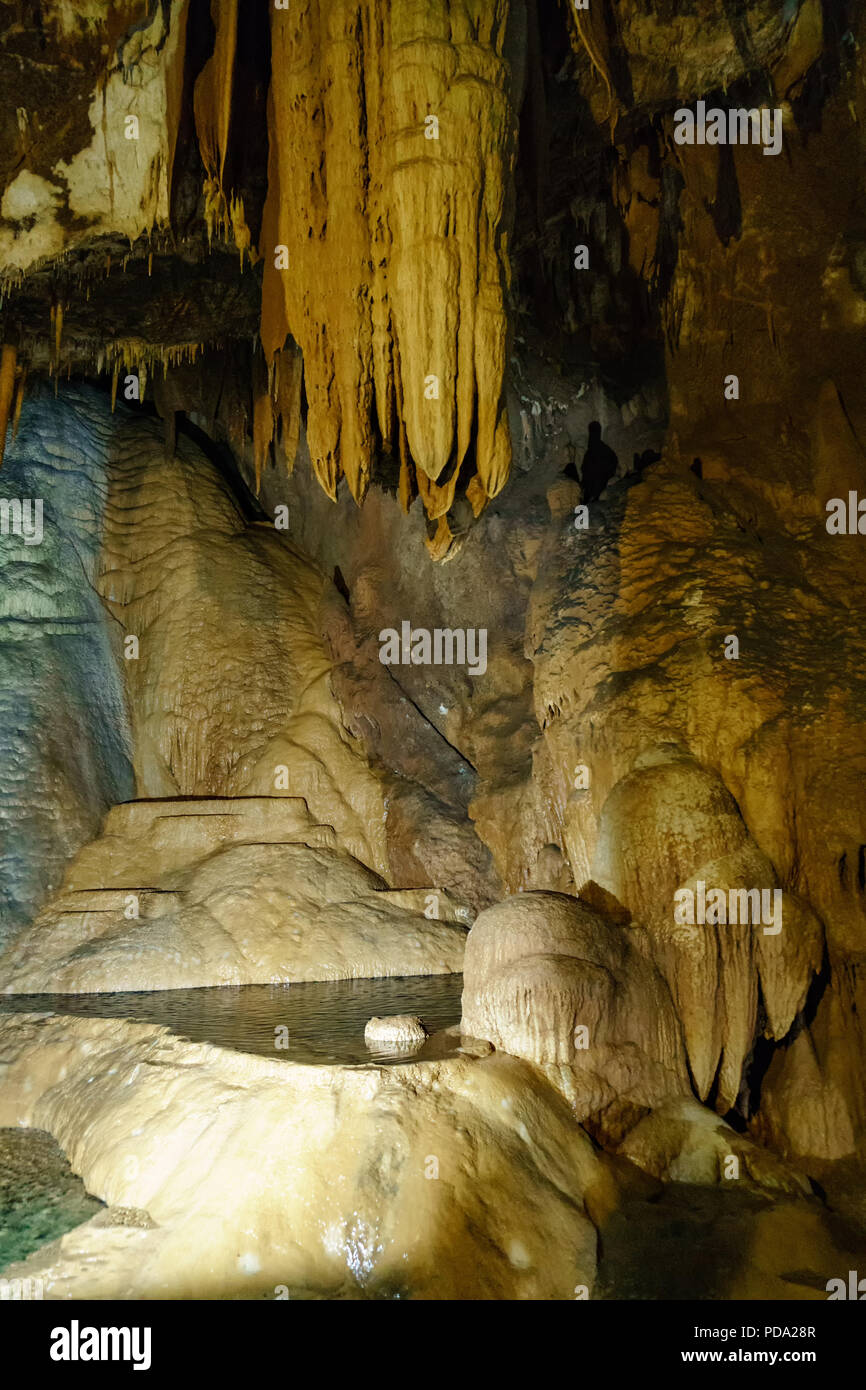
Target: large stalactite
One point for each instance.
(392, 136)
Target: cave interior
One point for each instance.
(432, 730)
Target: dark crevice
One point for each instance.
(340, 584)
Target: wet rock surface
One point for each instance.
(432, 316)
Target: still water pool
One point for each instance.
(321, 1022)
(40, 1196)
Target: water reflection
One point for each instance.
(321, 1022)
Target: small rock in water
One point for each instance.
(400, 1030)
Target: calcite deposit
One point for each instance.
(325, 1182)
(332, 327)
(397, 1031)
(233, 891)
(320, 1181)
(392, 136)
(548, 979)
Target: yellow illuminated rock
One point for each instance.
(269, 1179)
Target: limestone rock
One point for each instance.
(812, 1107)
(363, 283)
(397, 1031)
(230, 693)
(337, 1182)
(547, 979)
(392, 134)
(206, 704)
(125, 1216)
(552, 873)
(65, 740)
(684, 51)
(670, 825)
(682, 1141)
(93, 177)
(184, 894)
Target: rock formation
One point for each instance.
(229, 891)
(547, 979)
(344, 1202)
(336, 1182)
(503, 317)
(389, 147)
(398, 1031)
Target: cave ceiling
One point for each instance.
(354, 204)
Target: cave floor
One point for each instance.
(40, 1196)
(709, 1243)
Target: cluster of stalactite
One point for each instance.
(392, 133)
(384, 237)
(384, 240)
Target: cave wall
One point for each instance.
(71, 171)
(65, 739)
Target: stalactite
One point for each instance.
(224, 213)
(589, 33)
(405, 492)
(263, 416)
(288, 380)
(407, 488)
(476, 495)
(213, 90)
(19, 401)
(8, 360)
(440, 542)
(58, 332)
(392, 134)
(437, 500)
